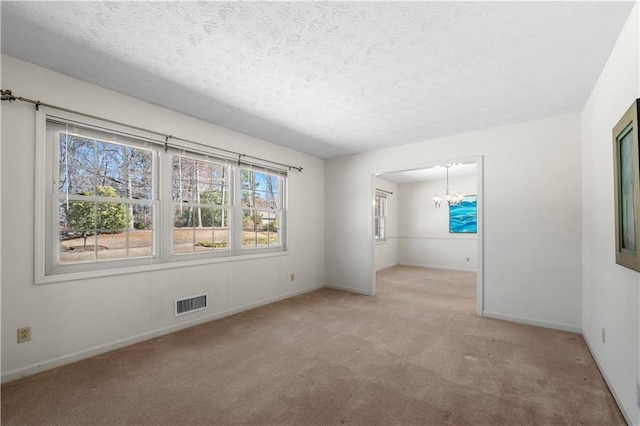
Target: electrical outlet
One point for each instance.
(24, 334)
(468, 259)
(293, 276)
(604, 340)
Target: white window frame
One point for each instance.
(380, 197)
(170, 204)
(46, 232)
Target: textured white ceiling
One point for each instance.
(329, 78)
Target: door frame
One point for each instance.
(479, 160)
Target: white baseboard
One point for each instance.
(348, 289)
(382, 268)
(97, 350)
(626, 411)
(447, 268)
(532, 321)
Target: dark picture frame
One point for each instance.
(463, 217)
(626, 169)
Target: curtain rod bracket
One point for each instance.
(7, 96)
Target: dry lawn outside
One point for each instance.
(185, 240)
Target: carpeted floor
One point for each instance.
(414, 354)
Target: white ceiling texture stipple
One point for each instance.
(330, 78)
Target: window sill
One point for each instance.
(50, 279)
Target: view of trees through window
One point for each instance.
(201, 211)
(104, 193)
(109, 205)
(261, 208)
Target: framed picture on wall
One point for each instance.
(463, 217)
(627, 188)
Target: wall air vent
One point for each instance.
(192, 304)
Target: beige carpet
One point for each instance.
(414, 354)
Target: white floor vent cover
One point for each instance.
(192, 304)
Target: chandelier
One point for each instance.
(451, 199)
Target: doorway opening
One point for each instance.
(429, 216)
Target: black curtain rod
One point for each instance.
(8, 96)
(382, 190)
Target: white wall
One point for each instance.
(424, 238)
(532, 219)
(74, 319)
(610, 292)
(386, 252)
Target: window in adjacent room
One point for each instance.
(380, 210)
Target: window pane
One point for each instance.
(86, 164)
(210, 196)
(76, 165)
(110, 217)
(203, 239)
(221, 238)
(77, 245)
(183, 229)
(139, 187)
(199, 181)
(140, 218)
(110, 157)
(260, 190)
(77, 215)
(200, 229)
(260, 229)
(140, 160)
(111, 179)
(272, 191)
(140, 243)
(111, 245)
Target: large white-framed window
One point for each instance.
(113, 199)
(100, 201)
(380, 217)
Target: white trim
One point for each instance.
(96, 350)
(480, 235)
(532, 321)
(450, 238)
(382, 268)
(445, 268)
(371, 285)
(40, 204)
(626, 412)
(349, 290)
(153, 267)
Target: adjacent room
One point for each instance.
(428, 218)
(320, 212)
